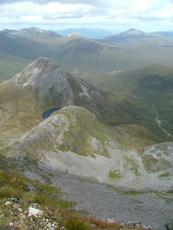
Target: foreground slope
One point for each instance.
(28, 203)
(73, 141)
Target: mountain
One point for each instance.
(81, 55)
(54, 121)
(32, 33)
(134, 37)
(81, 46)
(73, 141)
(44, 87)
(154, 85)
(131, 34)
(86, 32)
(73, 52)
(40, 87)
(26, 43)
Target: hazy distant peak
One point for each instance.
(32, 31)
(129, 34)
(74, 36)
(38, 30)
(133, 32)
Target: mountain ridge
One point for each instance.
(86, 132)
(47, 88)
(84, 54)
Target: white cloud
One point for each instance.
(166, 12)
(112, 13)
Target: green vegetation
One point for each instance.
(114, 175)
(163, 175)
(133, 165)
(78, 138)
(3, 220)
(76, 224)
(15, 185)
(81, 133)
(148, 97)
(11, 65)
(17, 188)
(19, 120)
(134, 137)
(133, 193)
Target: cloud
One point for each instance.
(90, 2)
(112, 13)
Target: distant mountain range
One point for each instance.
(129, 50)
(87, 32)
(95, 33)
(134, 35)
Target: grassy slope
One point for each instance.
(11, 65)
(19, 112)
(134, 137)
(116, 57)
(126, 82)
(72, 129)
(49, 199)
(152, 85)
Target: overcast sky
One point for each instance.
(118, 15)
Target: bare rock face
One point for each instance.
(57, 88)
(48, 80)
(42, 86)
(159, 157)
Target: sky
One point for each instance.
(116, 15)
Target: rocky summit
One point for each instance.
(40, 88)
